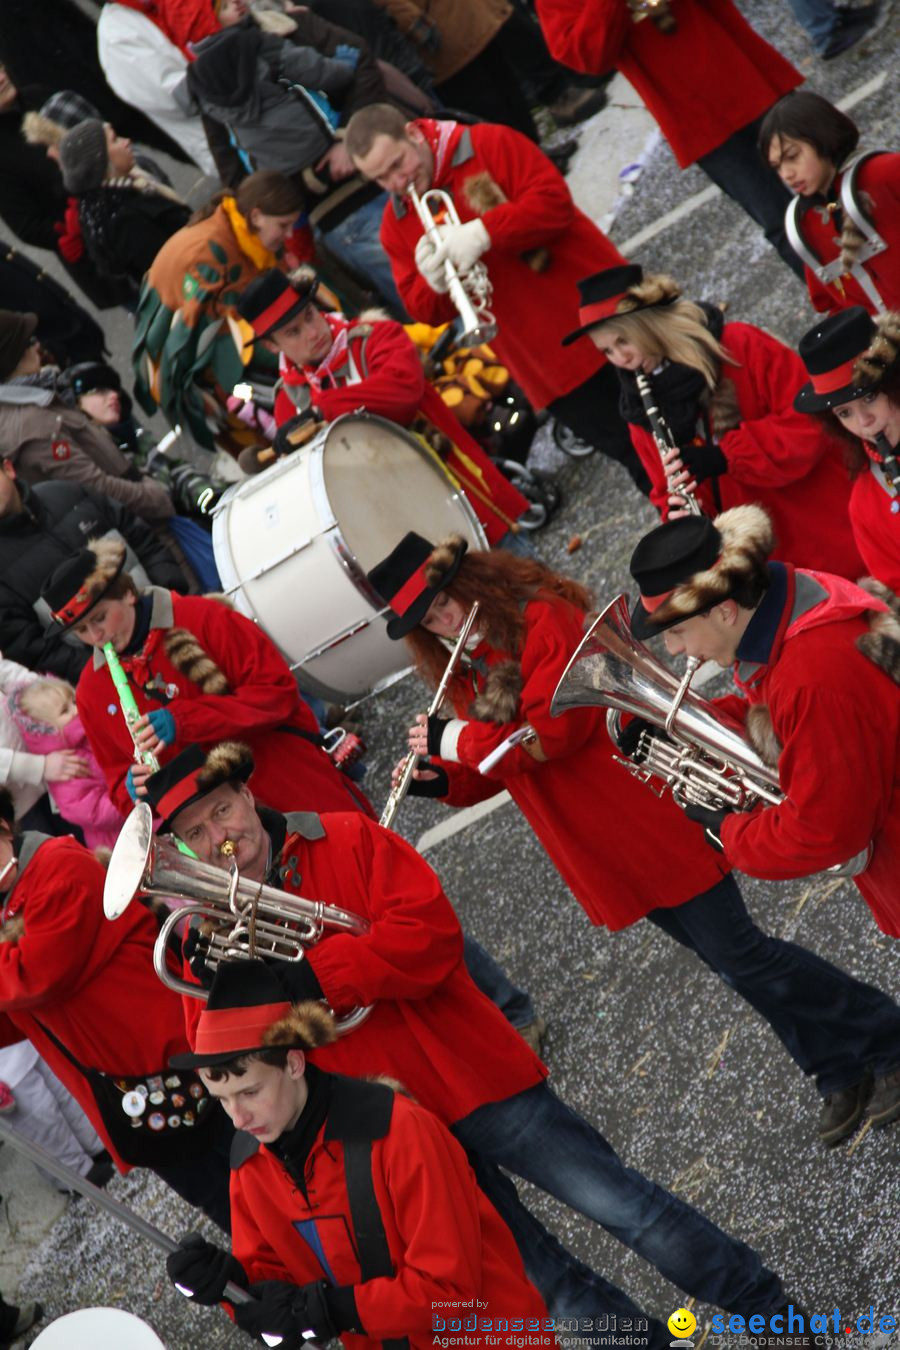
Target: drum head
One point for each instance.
(382, 482)
(98, 1329)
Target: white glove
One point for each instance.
(430, 259)
(464, 244)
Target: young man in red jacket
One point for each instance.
(336, 365)
(356, 1213)
(705, 75)
(432, 1030)
(83, 989)
(817, 658)
(518, 218)
(195, 666)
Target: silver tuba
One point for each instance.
(471, 294)
(249, 919)
(705, 758)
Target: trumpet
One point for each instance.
(663, 440)
(471, 295)
(411, 760)
(248, 919)
(130, 710)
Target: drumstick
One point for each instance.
(472, 487)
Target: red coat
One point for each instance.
(878, 183)
(876, 529)
(262, 710)
(91, 982)
(393, 385)
(837, 717)
(777, 457)
(431, 1028)
(702, 83)
(621, 850)
(534, 310)
(447, 1243)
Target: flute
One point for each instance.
(130, 710)
(664, 441)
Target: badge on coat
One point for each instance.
(61, 450)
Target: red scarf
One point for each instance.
(138, 665)
(438, 136)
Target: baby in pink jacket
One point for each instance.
(48, 720)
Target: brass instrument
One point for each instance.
(411, 760)
(657, 10)
(663, 440)
(249, 918)
(471, 294)
(130, 710)
(705, 758)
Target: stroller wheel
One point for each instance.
(570, 444)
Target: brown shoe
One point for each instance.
(884, 1104)
(842, 1111)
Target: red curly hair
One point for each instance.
(503, 584)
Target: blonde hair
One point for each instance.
(677, 331)
(46, 698)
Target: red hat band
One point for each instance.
(601, 309)
(221, 1030)
(410, 591)
(830, 380)
(269, 317)
(72, 610)
(172, 801)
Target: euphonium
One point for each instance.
(471, 294)
(249, 919)
(704, 758)
(663, 440)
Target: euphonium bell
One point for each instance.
(247, 918)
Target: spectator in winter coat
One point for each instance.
(125, 216)
(48, 720)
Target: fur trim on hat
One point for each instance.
(482, 194)
(881, 645)
(186, 655)
(499, 699)
(225, 761)
(761, 734)
(13, 928)
(884, 350)
(724, 408)
(747, 541)
(110, 555)
(656, 289)
(40, 130)
(442, 558)
(307, 1026)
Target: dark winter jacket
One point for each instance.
(66, 330)
(56, 520)
(124, 228)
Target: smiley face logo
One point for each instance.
(682, 1322)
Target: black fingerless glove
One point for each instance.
(201, 1270)
(703, 461)
(438, 786)
(435, 732)
(288, 1310)
(629, 737)
(711, 822)
(195, 950)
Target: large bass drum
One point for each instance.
(98, 1329)
(294, 543)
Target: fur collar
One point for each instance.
(498, 700)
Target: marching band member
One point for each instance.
(854, 386)
(451, 1048)
(569, 787)
(83, 991)
(336, 365)
(195, 666)
(813, 147)
(817, 658)
(726, 392)
(517, 216)
(355, 1211)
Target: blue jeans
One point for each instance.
(515, 1004)
(536, 1136)
(197, 545)
(356, 242)
(819, 19)
(831, 1025)
(737, 167)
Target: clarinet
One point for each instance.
(130, 710)
(890, 465)
(663, 440)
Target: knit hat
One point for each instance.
(412, 575)
(16, 332)
(85, 378)
(84, 157)
(193, 774)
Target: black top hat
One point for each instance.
(829, 351)
(77, 584)
(84, 378)
(270, 301)
(193, 774)
(401, 581)
(245, 1000)
(599, 296)
(665, 558)
(16, 332)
